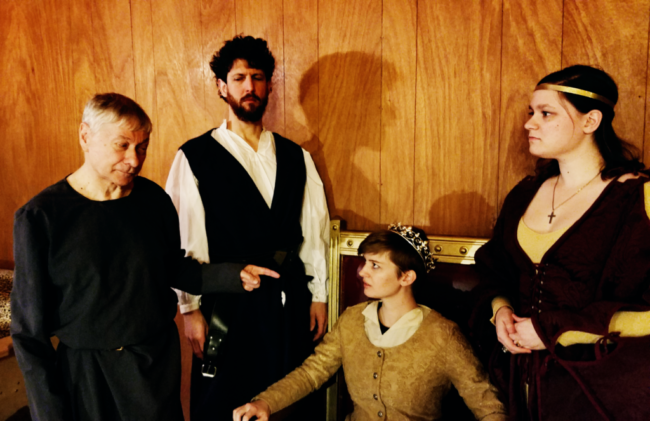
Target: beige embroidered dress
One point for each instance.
(402, 382)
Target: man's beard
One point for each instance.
(252, 115)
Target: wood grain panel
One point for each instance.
(339, 90)
(457, 126)
(218, 26)
(145, 78)
(113, 47)
(39, 143)
(301, 78)
(349, 92)
(300, 93)
(398, 82)
(263, 19)
(83, 59)
(646, 140)
(613, 34)
(14, 43)
(532, 48)
(77, 81)
(180, 85)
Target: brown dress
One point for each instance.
(599, 266)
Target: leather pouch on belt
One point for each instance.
(216, 334)
(218, 328)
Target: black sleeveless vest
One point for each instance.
(238, 222)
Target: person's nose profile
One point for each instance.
(131, 158)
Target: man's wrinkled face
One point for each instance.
(115, 154)
(247, 91)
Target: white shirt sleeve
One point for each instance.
(314, 220)
(182, 187)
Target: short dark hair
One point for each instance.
(254, 50)
(399, 250)
(620, 156)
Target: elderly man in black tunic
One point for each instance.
(96, 255)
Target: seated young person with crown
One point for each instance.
(399, 358)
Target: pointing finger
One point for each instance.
(256, 270)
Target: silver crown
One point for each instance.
(420, 245)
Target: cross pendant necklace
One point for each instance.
(551, 216)
(553, 207)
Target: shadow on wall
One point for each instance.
(461, 203)
(345, 123)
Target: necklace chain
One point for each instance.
(553, 207)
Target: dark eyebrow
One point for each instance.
(542, 106)
(257, 72)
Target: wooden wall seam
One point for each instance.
(645, 151)
(562, 36)
(499, 200)
(381, 113)
(415, 101)
(284, 66)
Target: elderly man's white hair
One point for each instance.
(112, 108)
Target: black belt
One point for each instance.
(218, 328)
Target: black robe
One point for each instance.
(97, 274)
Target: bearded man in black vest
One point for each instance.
(247, 196)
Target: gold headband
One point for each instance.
(575, 91)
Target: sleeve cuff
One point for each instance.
(318, 291)
(631, 323)
(257, 398)
(628, 323)
(573, 337)
(222, 277)
(186, 308)
(497, 304)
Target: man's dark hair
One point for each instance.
(399, 250)
(254, 50)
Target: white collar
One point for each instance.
(265, 146)
(398, 333)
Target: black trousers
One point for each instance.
(265, 341)
(138, 383)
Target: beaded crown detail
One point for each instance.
(418, 244)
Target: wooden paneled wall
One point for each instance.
(412, 109)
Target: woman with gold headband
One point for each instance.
(566, 276)
(399, 358)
